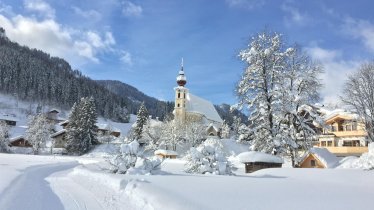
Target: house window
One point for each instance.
(354, 126)
(333, 128)
(313, 163)
(323, 143)
(348, 127)
(329, 143)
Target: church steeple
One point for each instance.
(181, 78)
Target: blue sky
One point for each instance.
(142, 42)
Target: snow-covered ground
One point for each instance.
(62, 182)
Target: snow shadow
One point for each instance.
(31, 191)
(266, 176)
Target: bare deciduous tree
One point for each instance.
(359, 94)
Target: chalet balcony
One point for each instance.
(349, 133)
(347, 151)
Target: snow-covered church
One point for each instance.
(189, 107)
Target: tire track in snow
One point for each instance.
(31, 191)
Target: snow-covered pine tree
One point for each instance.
(89, 120)
(73, 132)
(4, 137)
(38, 132)
(258, 88)
(142, 118)
(81, 131)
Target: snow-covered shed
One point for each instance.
(258, 160)
(319, 158)
(166, 153)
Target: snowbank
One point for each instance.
(253, 156)
(366, 161)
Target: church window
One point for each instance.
(178, 105)
(184, 95)
(179, 95)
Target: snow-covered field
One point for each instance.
(55, 182)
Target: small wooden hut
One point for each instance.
(318, 158)
(162, 153)
(258, 160)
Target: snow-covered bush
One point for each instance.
(131, 161)
(208, 157)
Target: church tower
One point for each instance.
(180, 96)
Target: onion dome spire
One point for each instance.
(181, 78)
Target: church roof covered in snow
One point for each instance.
(202, 106)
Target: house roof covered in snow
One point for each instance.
(252, 156)
(58, 133)
(201, 106)
(106, 126)
(8, 117)
(327, 158)
(16, 138)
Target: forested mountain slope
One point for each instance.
(32, 75)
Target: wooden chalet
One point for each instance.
(19, 141)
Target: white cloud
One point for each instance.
(131, 10)
(40, 6)
(336, 71)
(74, 45)
(246, 4)
(294, 16)
(360, 29)
(126, 57)
(88, 14)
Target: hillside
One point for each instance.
(35, 76)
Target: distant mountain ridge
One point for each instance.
(134, 98)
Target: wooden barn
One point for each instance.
(162, 153)
(254, 161)
(318, 158)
